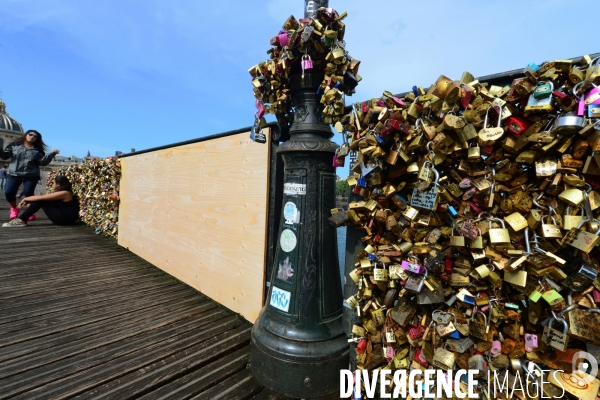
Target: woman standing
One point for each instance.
(61, 206)
(26, 155)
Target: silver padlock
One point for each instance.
(554, 337)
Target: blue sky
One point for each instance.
(110, 75)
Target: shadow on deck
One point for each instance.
(81, 317)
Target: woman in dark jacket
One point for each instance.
(61, 206)
(26, 155)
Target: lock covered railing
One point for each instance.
(474, 225)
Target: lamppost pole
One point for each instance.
(298, 342)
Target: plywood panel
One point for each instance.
(199, 212)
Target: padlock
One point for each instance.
(477, 363)
(415, 283)
(580, 276)
(582, 240)
(427, 199)
(380, 274)
(487, 135)
(478, 329)
(531, 341)
(550, 230)
(517, 125)
(498, 235)
(543, 90)
(443, 359)
(555, 338)
(456, 240)
(572, 221)
(473, 152)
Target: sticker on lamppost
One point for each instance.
(288, 240)
(290, 213)
(294, 189)
(280, 299)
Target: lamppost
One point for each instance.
(298, 342)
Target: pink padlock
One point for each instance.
(306, 62)
(398, 101)
(580, 100)
(531, 341)
(496, 347)
(389, 353)
(338, 161)
(412, 267)
(284, 40)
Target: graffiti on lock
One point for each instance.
(280, 299)
(587, 369)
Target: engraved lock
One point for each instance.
(580, 239)
(390, 337)
(571, 221)
(488, 136)
(474, 151)
(426, 172)
(555, 338)
(543, 90)
(456, 240)
(498, 235)
(415, 283)
(378, 316)
(478, 329)
(427, 199)
(447, 329)
(404, 311)
(550, 230)
(476, 243)
(380, 274)
(516, 221)
(443, 359)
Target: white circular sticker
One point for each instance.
(288, 240)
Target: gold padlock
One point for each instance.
(516, 221)
(573, 197)
(498, 235)
(572, 221)
(550, 231)
(474, 151)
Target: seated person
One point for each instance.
(61, 206)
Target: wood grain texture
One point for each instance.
(199, 212)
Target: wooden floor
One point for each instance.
(81, 317)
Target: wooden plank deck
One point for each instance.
(81, 317)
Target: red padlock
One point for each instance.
(361, 346)
(420, 358)
(517, 125)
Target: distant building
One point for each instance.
(10, 129)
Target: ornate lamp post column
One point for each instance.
(298, 343)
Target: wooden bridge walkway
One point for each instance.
(81, 317)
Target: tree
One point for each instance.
(341, 188)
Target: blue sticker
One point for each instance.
(280, 299)
(290, 213)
